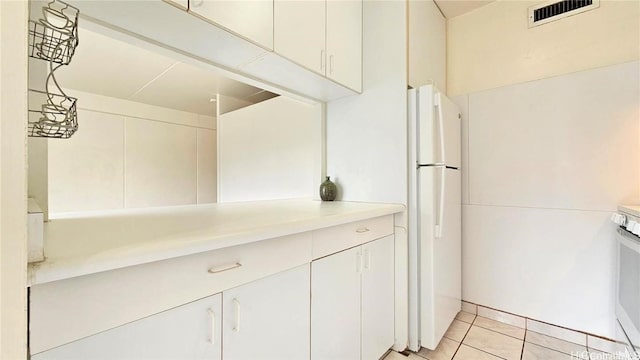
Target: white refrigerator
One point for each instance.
(435, 270)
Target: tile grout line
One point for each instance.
(459, 346)
(555, 350)
(547, 347)
(523, 341)
(527, 319)
(461, 340)
(498, 332)
(473, 324)
(484, 351)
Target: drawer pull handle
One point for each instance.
(362, 230)
(212, 319)
(224, 268)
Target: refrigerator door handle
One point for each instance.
(440, 218)
(438, 103)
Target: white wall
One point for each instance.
(427, 45)
(13, 179)
(126, 155)
(268, 151)
(38, 147)
(546, 162)
(547, 155)
(493, 46)
(367, 134)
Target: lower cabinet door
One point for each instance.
(335, 306)
(268, 319)
(377, 298)
(190, 331)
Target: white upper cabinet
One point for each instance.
(299, 32)
(344, 42)
(236, 35)
(251, 19)
(323, 36)
(190, 331)
(427, 45)
(268, 319)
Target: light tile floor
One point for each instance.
(473, 337)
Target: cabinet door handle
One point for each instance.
(212, 326)
(367, 259)
(363, 229)
(215, 270)
(322, 60)
(236, 310)
(330, 64)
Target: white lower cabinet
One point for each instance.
(352, 303)
(335, 306)
(190, 331)
(268, 319)
(339, 307)
(378, 283)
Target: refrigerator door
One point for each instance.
(412, 204)
(438, 129)
(440, 244)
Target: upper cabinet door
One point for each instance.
(299, 32)
(251, 19)
(344, 42)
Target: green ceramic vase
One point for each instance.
(328, 190)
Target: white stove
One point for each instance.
(628, 277)
(628, 217)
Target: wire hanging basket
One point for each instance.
(56, 117)
(54, 38)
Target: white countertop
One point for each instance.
(88, 243)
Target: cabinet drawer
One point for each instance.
(337, 238)
(67, 310)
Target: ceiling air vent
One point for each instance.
(556, 10)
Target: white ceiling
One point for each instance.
(453, 8)
(110, 67)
